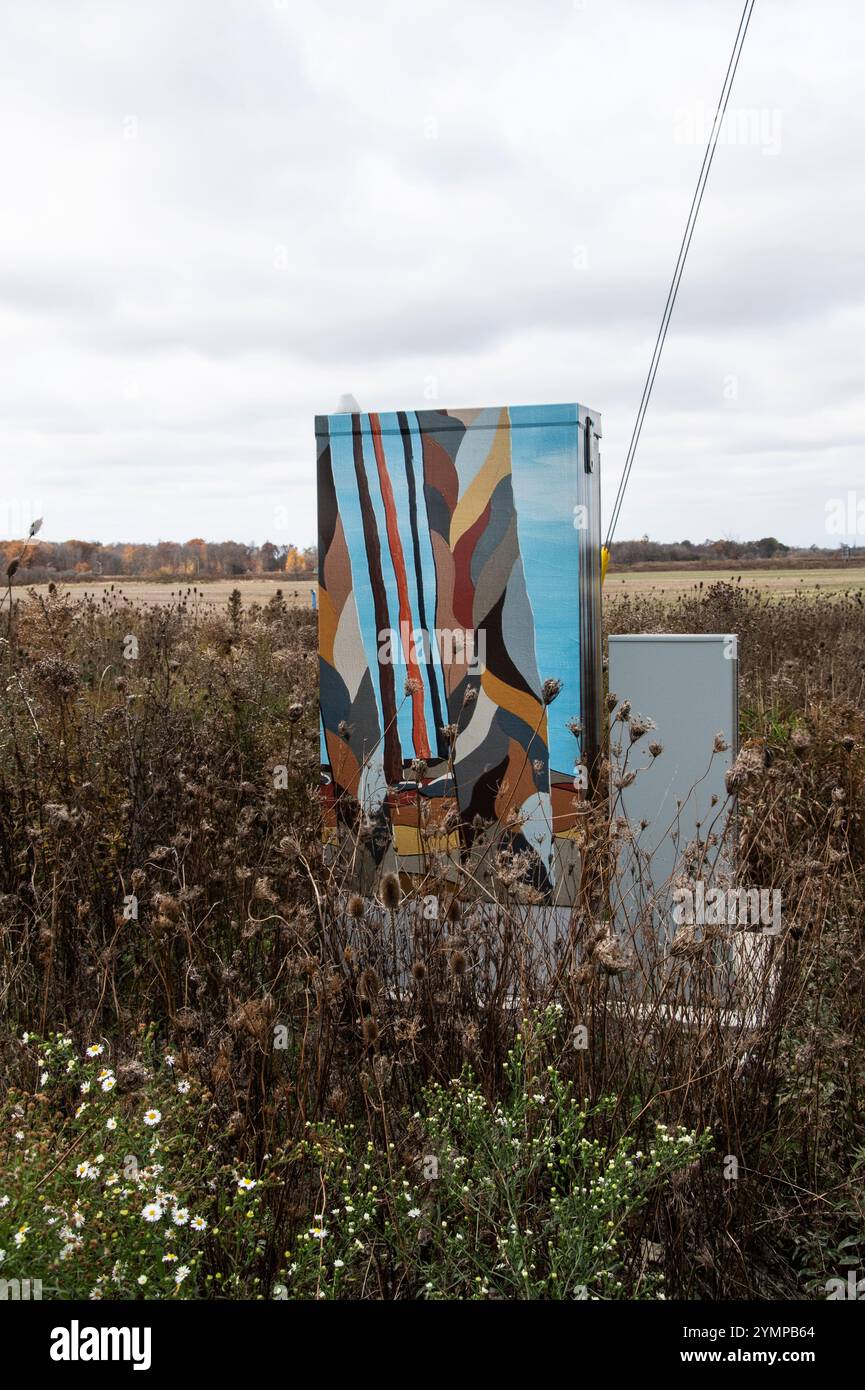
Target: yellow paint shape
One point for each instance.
(497, 465)
(407, 840)
(517, 702)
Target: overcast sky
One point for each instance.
(219, 215)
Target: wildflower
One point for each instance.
(152, 1117)
(95, 1049)
(414, 1213)
(81, 1170)
(339, 1264)
(111, 1123)
(198, 1223)
(167, 1259)
(142, 1279)
(43, 1078)
(169, 1060)
(183, 1087)
(551, 689)
(180, 1274)
(317, 1232)
(21, 1234)
(245, 1184)
(151, 1212)
(85, 1087)
(4, 1200)
(180, 1216)
(109, 1083)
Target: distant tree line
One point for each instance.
(644, 550)
(193, 559)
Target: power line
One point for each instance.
(673, 291)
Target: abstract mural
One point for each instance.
(452, 715)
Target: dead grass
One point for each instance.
(179, 772)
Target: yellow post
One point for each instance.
(605, 560)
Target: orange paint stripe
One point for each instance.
(420, 737)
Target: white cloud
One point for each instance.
(219, 216)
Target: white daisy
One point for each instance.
(180, 1216)
(151, 1212)
(111, 1123)
(246, 1184)
(183, 1087)
(109, 1083)
(95, 1049)
(198, 1223)
(152, 1117)
(180, 1273)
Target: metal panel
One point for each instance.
(688, 685)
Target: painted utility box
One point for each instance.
(459, 577)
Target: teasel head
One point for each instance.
(457, 963)
(368, 984)
(418, 970)
(454, 912)
(370, 1030)
(390, 892)
(356, 907)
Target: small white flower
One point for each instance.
(245, 1184)
(339, 1264)
(142, 1279)
(317, 1233)
(180, 1274)
(43, 1078)
(198, 1223)
(180, 1216)
(85, 1087)
(4, 1200)
(111, 1123)
(169, 1060)
(152, 1117)
(151, 1212)
(167, 1259)
(414, 1213)
(109, 1083)
(183, 1087)
(95, 1049)
(81, 1170)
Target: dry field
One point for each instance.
(773, 582)
(202, 594)
(668, 584)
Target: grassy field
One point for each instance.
(202, 594)
(668, 583)
(769, 581)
